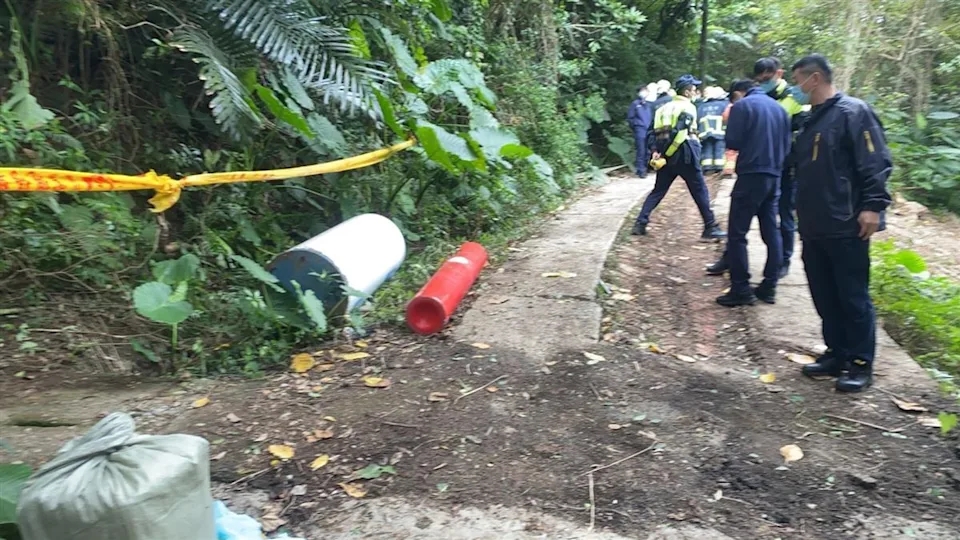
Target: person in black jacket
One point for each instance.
(842, 166)
(639, 117)
(759, 129)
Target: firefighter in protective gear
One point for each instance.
(711, 128)
(676, 141)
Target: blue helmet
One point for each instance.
(685, 81)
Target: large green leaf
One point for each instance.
(328, 135)
(12, 478)
(401, 54)
(174, 271)
(388, 114)
(911, 260)
(452, 144)
(156, 301)
(430, 143)
(497, 143)
(441, 9)
(281, 111)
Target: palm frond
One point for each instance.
(231, 103)
(323, 57)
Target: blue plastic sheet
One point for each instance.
(234, 526)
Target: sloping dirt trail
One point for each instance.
(491, 430)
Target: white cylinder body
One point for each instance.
(366, 250)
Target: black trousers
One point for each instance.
(838, 273)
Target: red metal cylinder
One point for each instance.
(432, 307)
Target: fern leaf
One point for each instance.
(324, 58)
(231, 103)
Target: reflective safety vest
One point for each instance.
(710, 113)
(675, 123)
(787, 97)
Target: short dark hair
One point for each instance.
(741, 85)
(814, 63)
(766, 65)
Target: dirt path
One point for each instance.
(493, 439)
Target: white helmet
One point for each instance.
(652, 92)
(663, 86)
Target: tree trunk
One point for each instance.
(704, 20)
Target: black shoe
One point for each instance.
(827, 365)
(713, 233)
(857, 379)
(639, 229)
(732, 299)
(718, 268)
(765, 294)
(784, 270)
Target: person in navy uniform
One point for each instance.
(842, 167)
(759, 129)
(639, 116)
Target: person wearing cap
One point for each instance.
(759, 129)
(768, 73)
(639, 117)
(677, 153)
(842, 168)
(710, 115)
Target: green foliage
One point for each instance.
(948, 421)
(927, 153)
(921, 312)
(12, 479)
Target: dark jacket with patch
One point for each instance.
(639, 116)
(842, 166)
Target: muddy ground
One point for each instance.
(671, 402)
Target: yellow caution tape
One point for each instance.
(167, 189)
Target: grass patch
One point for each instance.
(920, 311)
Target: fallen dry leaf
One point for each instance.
(686, 358)
(614, 427)
(800, 358)
(349, 357)
(218, 457)
(498, 300)
(325, 367)
(361, 344)
(653, 347)
(768, 378)
(791, 452)
(299, 491)
(480, 345)
(233, 418)
(329, 419)
(302, 363)
(438, 396)
(558, 275)
(929, 421)
(320, 462)
(492, 389)
(593, 358)
(202, 402)
(623, 297)
(376, 382)
(281, 451)
(908, 406)
(354, 490)
(322, 434)
(676, 279)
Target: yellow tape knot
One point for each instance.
(167, 191)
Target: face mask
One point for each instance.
(801, 96)
(643, 95)
(768, 85)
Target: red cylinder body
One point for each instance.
(432, 307)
